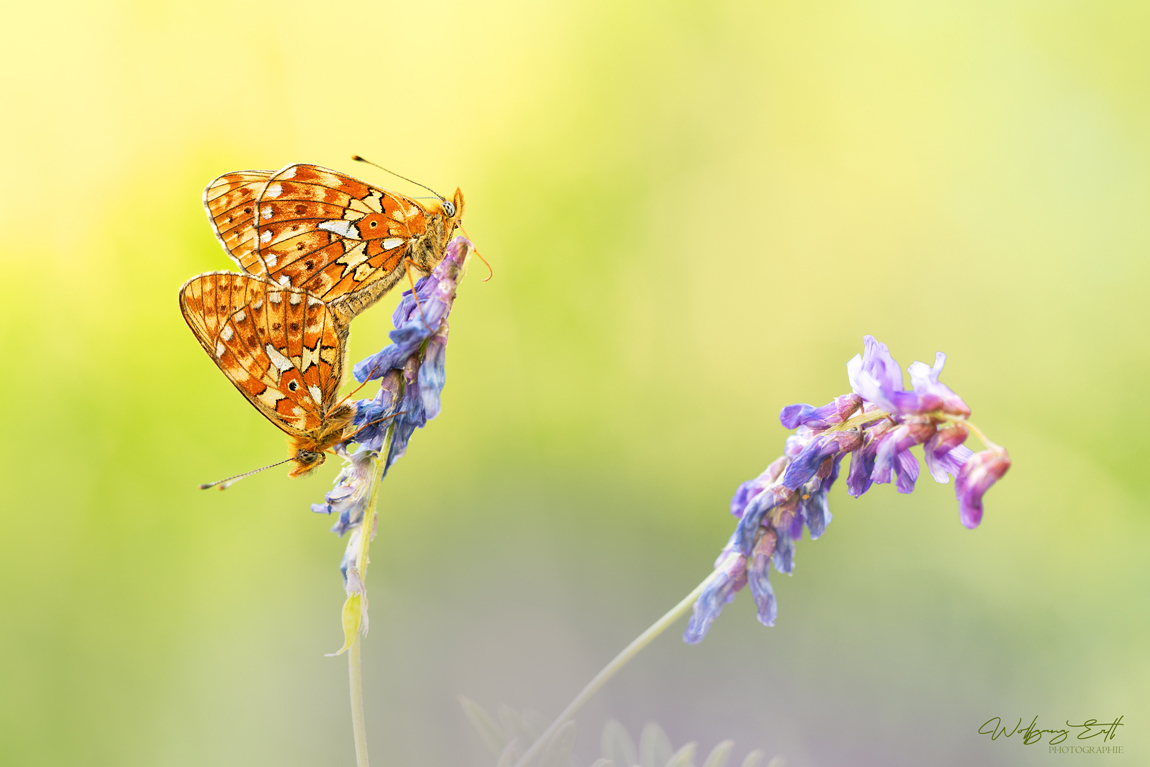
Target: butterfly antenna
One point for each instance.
(357, 158)
(224, 484)
(490, 271)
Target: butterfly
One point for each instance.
(283, 348)
(341, 240)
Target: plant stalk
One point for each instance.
(620, 660)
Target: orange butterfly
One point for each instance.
(338, 238)
(284, 349)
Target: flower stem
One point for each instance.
(357, 725)
(354, 665)
(620, 660)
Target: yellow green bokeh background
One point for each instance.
(695, 211)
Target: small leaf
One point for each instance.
(557, 752)
(487, 727)
(684, 757)
(755, 758)
(720, 754)
(512, 724)
(617, 745)
(351, 618)
(654, 746)
(510, 755)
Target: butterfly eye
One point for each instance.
(449, 208)
(307, 456)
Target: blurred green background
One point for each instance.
(695, 212)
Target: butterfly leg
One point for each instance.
(407, 267)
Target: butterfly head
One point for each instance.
(453, 209)
(305, 462)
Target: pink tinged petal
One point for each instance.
(977, 476)
(944, 452)
(906, 467)
(758, 571)
(750, 489)
(730, 569)
(835, 412)
(932, 394)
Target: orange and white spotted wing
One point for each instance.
(340, 239)
(230, 201)
(281, 347)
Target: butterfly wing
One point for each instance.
(281, 347)
(331, 234)
(230, 202)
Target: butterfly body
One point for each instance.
(283, 348)
(342, 240)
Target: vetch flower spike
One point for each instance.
(877, 424)
(411, 371)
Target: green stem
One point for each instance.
(356, 675)
(354, 664)
(620, 660)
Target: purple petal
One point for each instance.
(906, 469)
(874, 370)
(807, 463)
(752, 487)
(862, 466)
(935, 396)
(718, 592)
(837, 411)
(432, 372)
(977, 476)
(944, 452)
(758, 576)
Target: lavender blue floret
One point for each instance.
(877, 425)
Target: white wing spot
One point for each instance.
(273, 191)
(392, 242)
(271, 259)
(285, 280)
(266, 237)
(281, 362)
(275, 298)
(342, 228)
(313, 301)
(259, 304)
(226, 335)
(315, 393)
(289, 173)
(295, 299)
(266, 212)
(220, 349)
(240, 317)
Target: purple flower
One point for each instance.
(979, 472)
(750, 489)
(893, 456)
(877, 425)
(348, 497)
(411, 372)
(758, 576)
(730, 576)
(807, 462)
(932, 394)
(837, 411)
(945, 454)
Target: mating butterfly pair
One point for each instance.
(317, 248)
